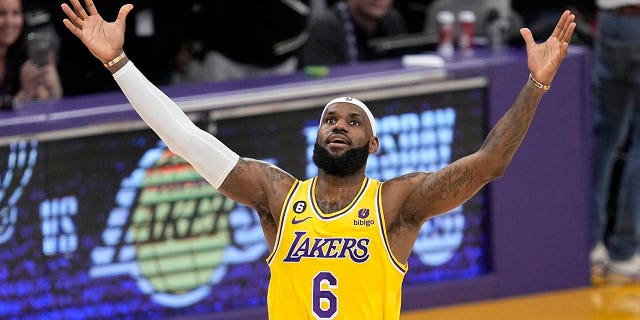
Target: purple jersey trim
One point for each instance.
(333, 215)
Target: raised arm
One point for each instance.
(430, 194)
(247, 181)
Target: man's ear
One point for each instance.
(374, 143)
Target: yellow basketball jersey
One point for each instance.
(335, 265)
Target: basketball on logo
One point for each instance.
(180, 226)
(177, 228)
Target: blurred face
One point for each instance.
(11, 21)
(372, 9)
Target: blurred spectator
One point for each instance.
(616, 84)
(342, 33)
(240, 39)
(27, 58)
(486, 12)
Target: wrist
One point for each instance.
(538, 84)
(116, 63)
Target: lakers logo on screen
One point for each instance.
(171, 231)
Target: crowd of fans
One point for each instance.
(198, 41)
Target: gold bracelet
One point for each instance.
(538, 84)
(115, 60)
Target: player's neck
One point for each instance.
(334, 193)
(334, 181)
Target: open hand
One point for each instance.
(103, 39)
(544, 59)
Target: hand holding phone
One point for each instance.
(38, 48)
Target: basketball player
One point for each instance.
(340, 241)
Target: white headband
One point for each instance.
(354, 102)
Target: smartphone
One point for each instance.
(38, 48)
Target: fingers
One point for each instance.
(563, 30)
(122, 14)
(564, 47)
(90, 7)
(527, 36)
(568, 34)
(78, 15)
(567, 29)
(561, 24)
(79, 10)
(67, 10)
(75, 30)
(76, 21)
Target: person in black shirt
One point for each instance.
(244, 38)
(341, 34)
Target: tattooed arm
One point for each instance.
(261, 186)
(430, 194)
(411, 199)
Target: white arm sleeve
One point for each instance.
(210, 157)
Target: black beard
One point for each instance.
(342, 165)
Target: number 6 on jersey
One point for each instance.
(325, 303)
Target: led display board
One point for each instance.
(117, 226)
